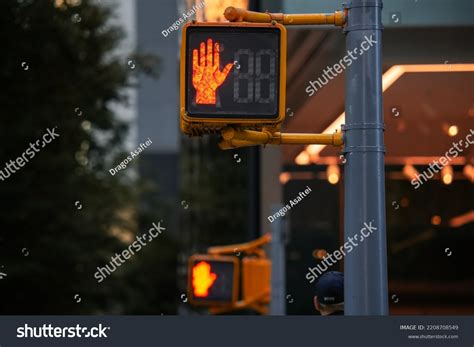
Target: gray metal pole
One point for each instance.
(277, 255)
(365, 267)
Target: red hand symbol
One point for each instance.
(206, 74)
(203, 279)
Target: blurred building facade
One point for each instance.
(158, 102)
(152, 109)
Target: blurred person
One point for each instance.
(329, 294)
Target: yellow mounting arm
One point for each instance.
(233, 138)
(233, 14)
(252, 247)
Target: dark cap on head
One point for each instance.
(330, 288)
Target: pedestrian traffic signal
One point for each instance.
(213, 280)
(232, 74)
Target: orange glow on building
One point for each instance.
(333, 174)
(303, 158)
(447, 174)
(461, 220)
(453, 130)
(468, 171)
(410, 172)
(203, 279)
(285, 177)
(436, 220)
(207, 76)
(319, 254)
(388, 79)
(213, 11)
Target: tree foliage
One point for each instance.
(62, 213)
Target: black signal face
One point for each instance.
(212, 279)
(232, 72)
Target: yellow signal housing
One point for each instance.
(256, 277)
(209, 103)
(198, 119)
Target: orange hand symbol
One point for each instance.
(206, 74)
(203, 279)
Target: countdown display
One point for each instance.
(233, 73)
